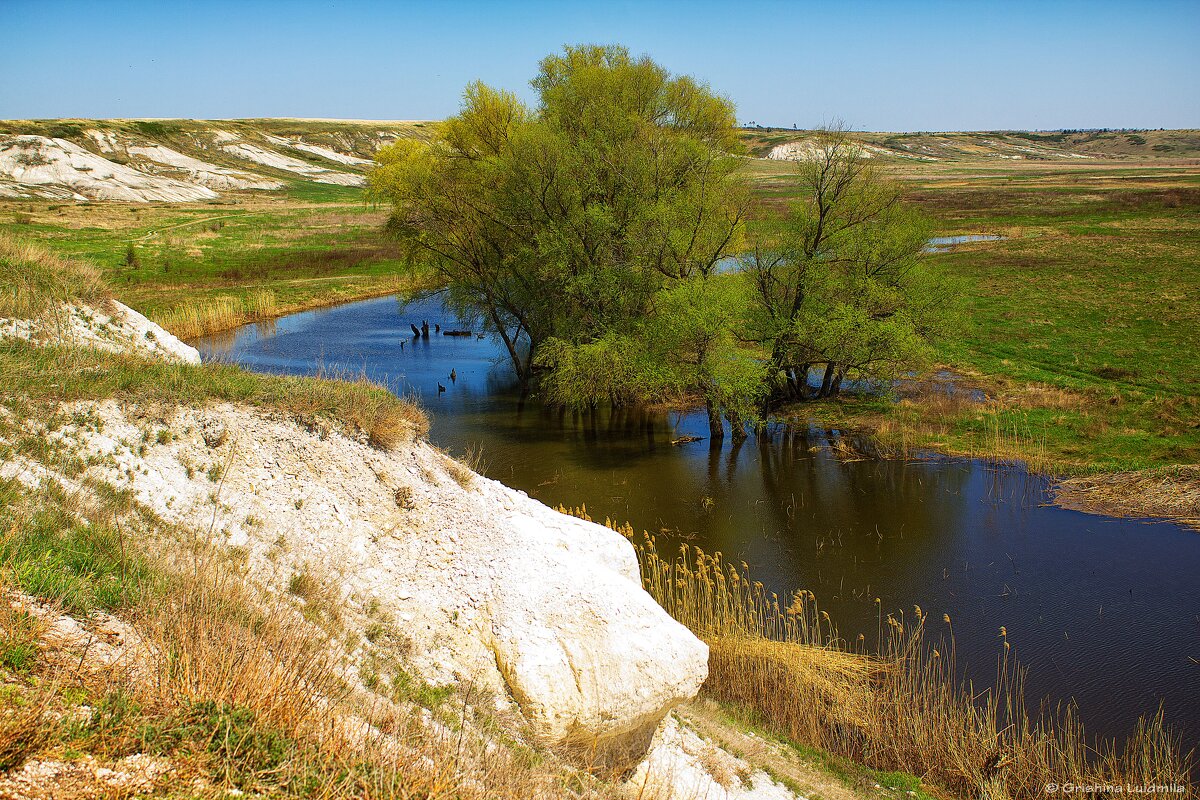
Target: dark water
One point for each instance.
(1105, 611)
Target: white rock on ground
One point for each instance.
(201, 172)
(318, 150)
(57, 167)
(116, 328)
(484, 585)
(683, 766)
(155, 157)
(489, 586)
(804, 150)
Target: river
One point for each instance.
(1102, 610)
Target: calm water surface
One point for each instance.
(1102, 610)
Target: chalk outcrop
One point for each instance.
(485, 585)
(47, 167)
(193, 164)
(317, 150)
(248, 151)
(475, 583)
(114, 328)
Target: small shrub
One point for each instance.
(31, 158)
(404, 497)
(131, 260)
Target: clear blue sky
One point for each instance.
(918, 65)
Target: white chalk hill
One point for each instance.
(119, 165)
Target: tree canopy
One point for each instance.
(849, 289)
(560, 223)
(594, 232)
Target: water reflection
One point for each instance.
(1106, 611)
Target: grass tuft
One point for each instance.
(54, 375)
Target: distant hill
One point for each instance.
(198, 160)
(991, 145)
(185, 160)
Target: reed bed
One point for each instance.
(896, 703)
(199, 317)
(1168, 492)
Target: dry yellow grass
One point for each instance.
(236, 691)
(199, 317)
(1170, 492)
(33, 279)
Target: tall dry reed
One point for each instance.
(199, 317)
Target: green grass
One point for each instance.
(309, 245)
(47, 376)
(54, 553)
(1092, 297)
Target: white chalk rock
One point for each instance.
(593, 661)
(484, 586)
(683, 765)
(113, 328)
(60, 168)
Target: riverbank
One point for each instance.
(1080, 357)
(896, 706)
(389, 631)
(283, 566)
(1009, 423)
(1080, 329)
(198, 268)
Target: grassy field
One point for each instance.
(202, 267)
(1082, 352)
(249, 254)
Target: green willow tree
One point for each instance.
(849, 292)
(555, 227)
(687, 347)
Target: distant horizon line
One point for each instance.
(746, 126)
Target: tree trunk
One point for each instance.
(510, 344)
(716, 429)
(827, 381)
(836, 388)
(736, 427)
(802, 392)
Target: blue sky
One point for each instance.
(919, 65)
